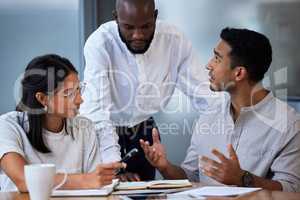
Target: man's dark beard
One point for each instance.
(134, 51)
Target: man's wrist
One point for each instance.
(164, 167)
(247, 179)
(240, 178)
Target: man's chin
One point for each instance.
(137, 50)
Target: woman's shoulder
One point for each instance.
(13, 125)
(13, 118)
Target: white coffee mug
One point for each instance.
(40, 180)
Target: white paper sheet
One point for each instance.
(218, 191)
(104, 191)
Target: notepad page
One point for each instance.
(132, 185)
(218, 191)
(170, 182)
(104, 191)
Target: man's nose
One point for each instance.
(209, 65)
(137, 34)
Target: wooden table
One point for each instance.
(260, 195)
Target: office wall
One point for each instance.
(277, 19)
(31, 28)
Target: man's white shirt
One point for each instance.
(124, 89)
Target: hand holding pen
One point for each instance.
(128, 176)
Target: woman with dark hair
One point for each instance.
(45, 129)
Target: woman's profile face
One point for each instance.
(65, 101)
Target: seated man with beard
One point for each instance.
(257, 141)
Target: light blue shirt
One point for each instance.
(266, 138)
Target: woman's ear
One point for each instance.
(42, 98)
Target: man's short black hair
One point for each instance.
(249, 49)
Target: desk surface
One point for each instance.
(260, 195)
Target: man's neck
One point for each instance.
(246, 96)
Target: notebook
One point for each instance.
(159, 184)
(104, 191)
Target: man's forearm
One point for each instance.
(173, 172)
(266, 184)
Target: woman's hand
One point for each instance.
(102, 175)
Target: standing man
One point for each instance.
(133, 65)
(254, 140)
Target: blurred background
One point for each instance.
(34, 27)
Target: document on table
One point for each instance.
(158, 184)
(217, 191)
(104, 191)
(148, 191)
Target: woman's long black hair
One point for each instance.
(42, 74)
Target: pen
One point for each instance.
(129, 155)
